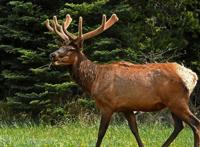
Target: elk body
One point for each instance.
(126, 87)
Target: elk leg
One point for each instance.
(195, 125)
(133, 126)
(178, 126)
(186, 115)
(105, 119)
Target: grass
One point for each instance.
(84, 135)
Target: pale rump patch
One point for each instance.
(188, 76)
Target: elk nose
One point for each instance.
(52, 56)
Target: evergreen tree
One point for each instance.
(147, 31)
(28, 85)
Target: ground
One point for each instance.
(84, 135)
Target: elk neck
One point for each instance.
(84, 72)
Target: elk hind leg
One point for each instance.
(194, 123)
(178, 126)
(181, 110)
(130, 116)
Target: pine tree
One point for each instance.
(148, 31)
(28, 85)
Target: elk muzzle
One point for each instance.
(53, 56)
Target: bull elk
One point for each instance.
(126, 87)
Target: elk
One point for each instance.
(126, 87)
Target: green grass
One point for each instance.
(84, 135)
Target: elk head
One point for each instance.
(73, 44)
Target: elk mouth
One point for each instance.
(54, 65)
(55, 62)
(54, 59)
(59, 61)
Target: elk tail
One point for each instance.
(189, 77)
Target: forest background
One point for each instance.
(147, 31)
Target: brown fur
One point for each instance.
(84, 72)
(125, 86)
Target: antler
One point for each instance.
(58, 29)
(66, 24)
(104, 26)
(61, 30)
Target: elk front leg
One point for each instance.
(105, 119)
(130, 116)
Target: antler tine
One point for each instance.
(60, 28)
(54, 26)
(48, 25)
(60, 33)
(80, 28)
(80, 33)
(103, 21)
(66, 24)
(113, 19)
(104, 26)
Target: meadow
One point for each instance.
(85, 134)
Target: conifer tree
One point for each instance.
(148, 31)
(28, 85)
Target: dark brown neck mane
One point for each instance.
(84, 72)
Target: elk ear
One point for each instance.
(74, 47)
